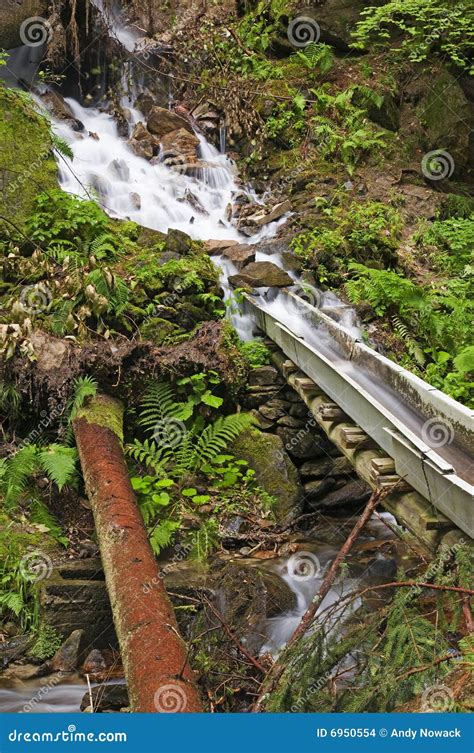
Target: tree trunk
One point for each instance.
(153, 653)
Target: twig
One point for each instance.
(90, 694)
(234, 640)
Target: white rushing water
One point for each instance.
(152, 195)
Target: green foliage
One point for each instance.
(256, 352)
(436, 321)
(316, 56)
(425, 26)
(56, 461)
(185, 451)
(451, 243)
(364, 231)
(66, 219)
(47, 642)
(62, 146)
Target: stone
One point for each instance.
(94, 664)
(178, 242)
(161, 121)
(264, 217)
(66, 658)
(215, 247)
(265, 375)
(273, 468)
(16, 13)
(303, 443)
(354, 493)
(144, 102)
(293, 423)
(194, 202)
(136, 200)
(274, 409)
(315, 489)
(58, 106)
(106, 698)
(182, 143)
(246, 596)
(141, 148)
(321, 467)
(119, 169)
(240, 254)
(261, 274)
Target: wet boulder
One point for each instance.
(161, 121)
(240, 254)
(261, 274)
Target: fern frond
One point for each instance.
(62, 146)
(150, 455)
(40, 515)
(159, 404)
(19, 469)
(59, 463)
(218, 436)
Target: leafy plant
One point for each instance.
(256, 352)
(425, 27)
(317, 55)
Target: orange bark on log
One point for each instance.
(154, 655)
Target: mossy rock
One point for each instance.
(14, 14)
(274, 471)
(158, 330)
(27, 165)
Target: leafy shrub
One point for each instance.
(425, 26)
(256, 353)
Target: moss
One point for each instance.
(158, 330)
(27, 165)
(104, 411)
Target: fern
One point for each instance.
(62, 146)
(159, 404)
(217, 437)
(149, 454)
(84, 387)
(111, 287)
(18, 470)
(162, 534)
(103, 246)
(40, 515)
(59, 463)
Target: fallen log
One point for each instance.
(154, 655)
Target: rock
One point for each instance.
(264, 217)
(94, 664)
(247, 596)
(217, 247)
(274, 470)
(25, 672)
(315, 489)
(16, 13)
(179, 149)
(58, 106)
(161, 121)
(14, 648)
(259, 274)
(106, 698)
(240, 254)
(66, 659)
(335, 20)
(352, 494)
(274, 409)
(136, 200)
(178, 242)
(293, 423)
(265, 375)
(340, 466)
(303, 443)
(194, 202)
(119, 169)
(144, 102)
(141, 148)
